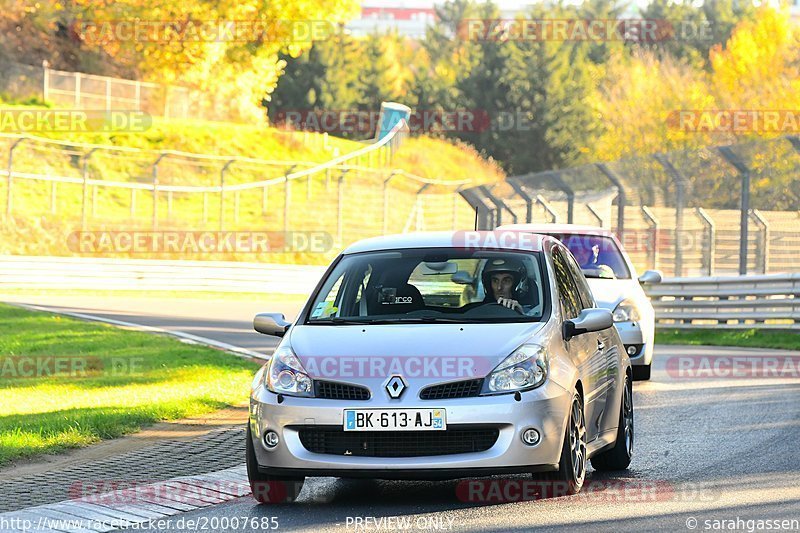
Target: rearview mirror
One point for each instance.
(271, 324)
(650, 276)
(462, 277)
(592, 319)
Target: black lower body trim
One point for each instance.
(408, 474)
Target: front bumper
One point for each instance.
(631, 334)
(544, 409)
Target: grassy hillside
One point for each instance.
(41, 224)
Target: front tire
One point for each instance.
(571, 472)
(619, 457)
(269, 489)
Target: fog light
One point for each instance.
(530, 437)
(633, 349)
(271, 439)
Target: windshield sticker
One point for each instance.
(324, 310)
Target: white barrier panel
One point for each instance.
(763, 301)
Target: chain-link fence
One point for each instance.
(87, 91)
(716, 210)
(63, 187)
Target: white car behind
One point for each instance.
(614, 284)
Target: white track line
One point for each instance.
(236, 350)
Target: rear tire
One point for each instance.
(269, 489)
(619, 457)
(641, 372)
(571, 472)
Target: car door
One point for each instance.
(607, 359)
(589, 358)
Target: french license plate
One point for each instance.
(394, 420)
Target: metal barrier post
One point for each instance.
(547, 207)
(155, 190)
(712, 239)
(482, 212)
(339, 204)
(222, 193)
(417, 203)
(455, 206)
(654, 224)
(85, 186)
(9, 182)
(385, 228)
(744, 208)
(499, 204)
(287, 194)
(680, 185)
(555, 177)
(520, 190)
(621, 198)
(595, 215)
(763, 248)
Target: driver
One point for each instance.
(505, 281)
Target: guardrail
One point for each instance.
(764, 301)
(732, 302)
(77, 273)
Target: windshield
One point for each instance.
(432, 285)
(598, 256)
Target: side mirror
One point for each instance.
(593, 319)
(462, 277)
(651, 276)
(271, 324)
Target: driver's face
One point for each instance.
(501, 285)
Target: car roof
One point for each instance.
(568, 229)
(450, 239)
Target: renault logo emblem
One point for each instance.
(395, 387)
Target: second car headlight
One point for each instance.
(626, 311)
(286, 374)
(524, 369)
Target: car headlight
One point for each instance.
(286, 374)
(258, 379)
(626, 312)
(524, 369)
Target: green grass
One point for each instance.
(129, 380)
(747, 338)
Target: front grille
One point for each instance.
(340, 391)
(332, 440)
(458, 389)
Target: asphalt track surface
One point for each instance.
(715, 452)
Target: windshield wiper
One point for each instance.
(338, 321)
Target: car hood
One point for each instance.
(335, 352)
(609, 292)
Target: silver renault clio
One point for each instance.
(442, 355)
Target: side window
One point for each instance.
(580, 281)
(567, 289)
